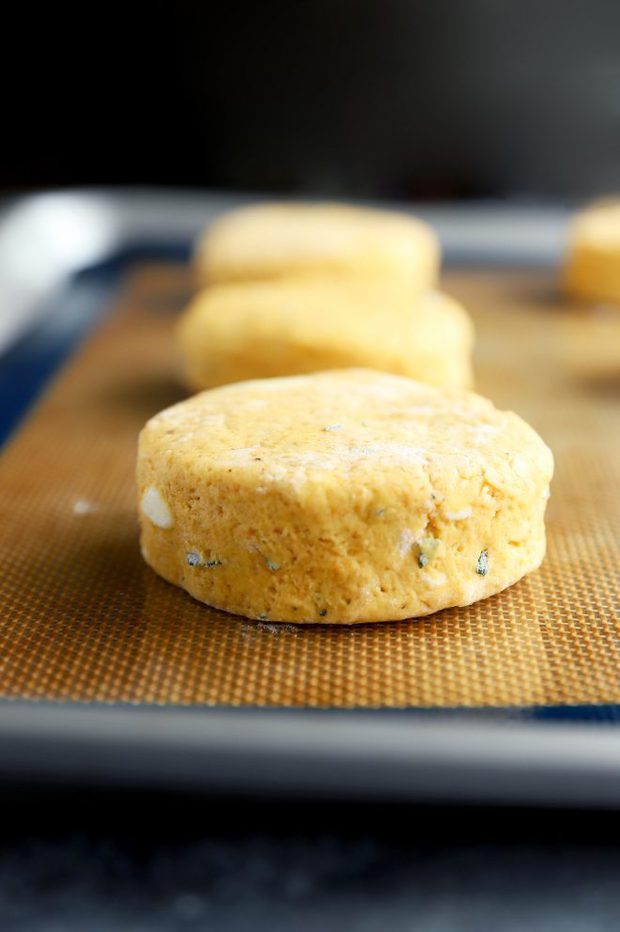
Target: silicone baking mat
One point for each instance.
(82, 618)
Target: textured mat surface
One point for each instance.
(83, 618)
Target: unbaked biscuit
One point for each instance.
(231, 333)
(282, 240)
(341, 497)
(592, 271)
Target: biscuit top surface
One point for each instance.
(352, 425)
(269, 239)
(599, 223)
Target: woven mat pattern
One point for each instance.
(82, 618)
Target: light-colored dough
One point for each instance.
(350, 496)
(231, 333)
(283, 240)
(592, 271)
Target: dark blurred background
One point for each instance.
(416, 99)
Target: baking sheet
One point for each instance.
(563, 754)
(85, 620)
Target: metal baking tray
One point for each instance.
(536, 755)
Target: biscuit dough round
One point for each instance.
(341, 497)
(282, 240)
(592, 271)
(231, 333)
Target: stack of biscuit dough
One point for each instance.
(292, 289)
(334, 467)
